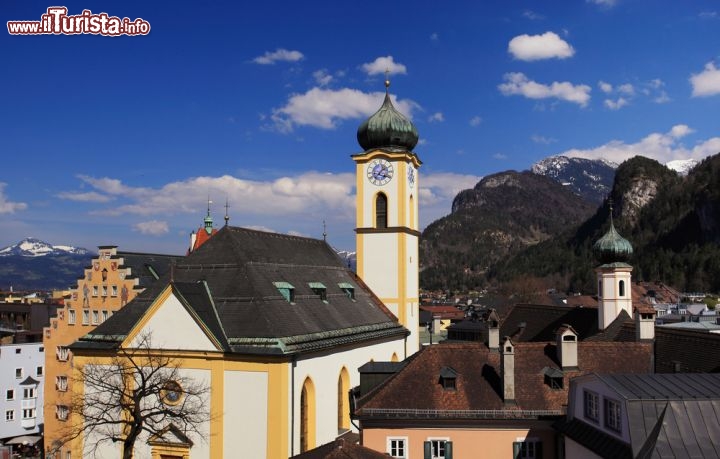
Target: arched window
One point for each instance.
(307, 416)
(343, 415)
(394, 357)
(381, 211)
(599, 289)
(621, 287)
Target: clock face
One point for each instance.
(379, 172)
(411, 177)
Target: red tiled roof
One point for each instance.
(479, 380)
(201, 237)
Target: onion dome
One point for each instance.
(387, 128)
(612, 247)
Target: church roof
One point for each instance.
(612, 247)
(231, 283)
(387, 128)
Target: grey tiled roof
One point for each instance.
(245, 310)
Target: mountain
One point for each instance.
(591, 179)
(32, 264)
(681, 166)
(31, 247)
(502, 215)
(672, 221)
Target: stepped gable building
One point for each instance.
(275, 324)
(643, 416)
(505, 390)
(112, 280)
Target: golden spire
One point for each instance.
(387, 80)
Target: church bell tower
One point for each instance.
(387, 232)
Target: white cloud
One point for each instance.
(324, 108)
(475, 121)
(436, 117)
(607, 88)
(616, 104)
(152, 228)
(291, 204)
(535, 47)
(91, 196)
(322, 77)
(662, 147)
(707, 82)
(627, 89)
(542, 140)
(6, 206)
(279, 55)
(533, 16)
(381, 64)
(709, 15)
(519, 84)
(604, 3)
(434, 36)
(662, 98)
(500, 156)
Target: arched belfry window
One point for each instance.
(621, 287)
(381, 211)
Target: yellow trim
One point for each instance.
(390, 300)
(366, 157)
(402, 279)
(402, 193)
(217, 406)
(343, 389)
(158, 451)
(155, 306)
(278, 406)
(140, 324)
(359, 216)
(412, 224)
(309, 388)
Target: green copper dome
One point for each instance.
(612, 247)
(387, 128)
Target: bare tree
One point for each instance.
(140, 390)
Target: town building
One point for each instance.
(504, 382)
(22, 378)
(652, 415)
(112, 280)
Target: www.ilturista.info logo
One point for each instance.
(57, 22)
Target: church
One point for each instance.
(276, 326)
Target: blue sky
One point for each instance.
(120, 140)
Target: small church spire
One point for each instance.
(227, 217)
(324, 231)
(208, 219)
(387, 81)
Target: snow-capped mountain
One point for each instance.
(591, 179)
(350, 258)
(681, 166)
(31, 247)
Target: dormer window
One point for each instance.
(553, 378)
(348, 289)
(319, 289)
(448, 378)
(286, 290)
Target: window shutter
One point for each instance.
(538, 450)
(516, 449)
(448, 450)
(428, 450)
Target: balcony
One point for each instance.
(28, 423)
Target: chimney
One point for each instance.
(644, 323)
(567, 347)
(493, 325)
(508, 370)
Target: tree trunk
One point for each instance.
(129, 443)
